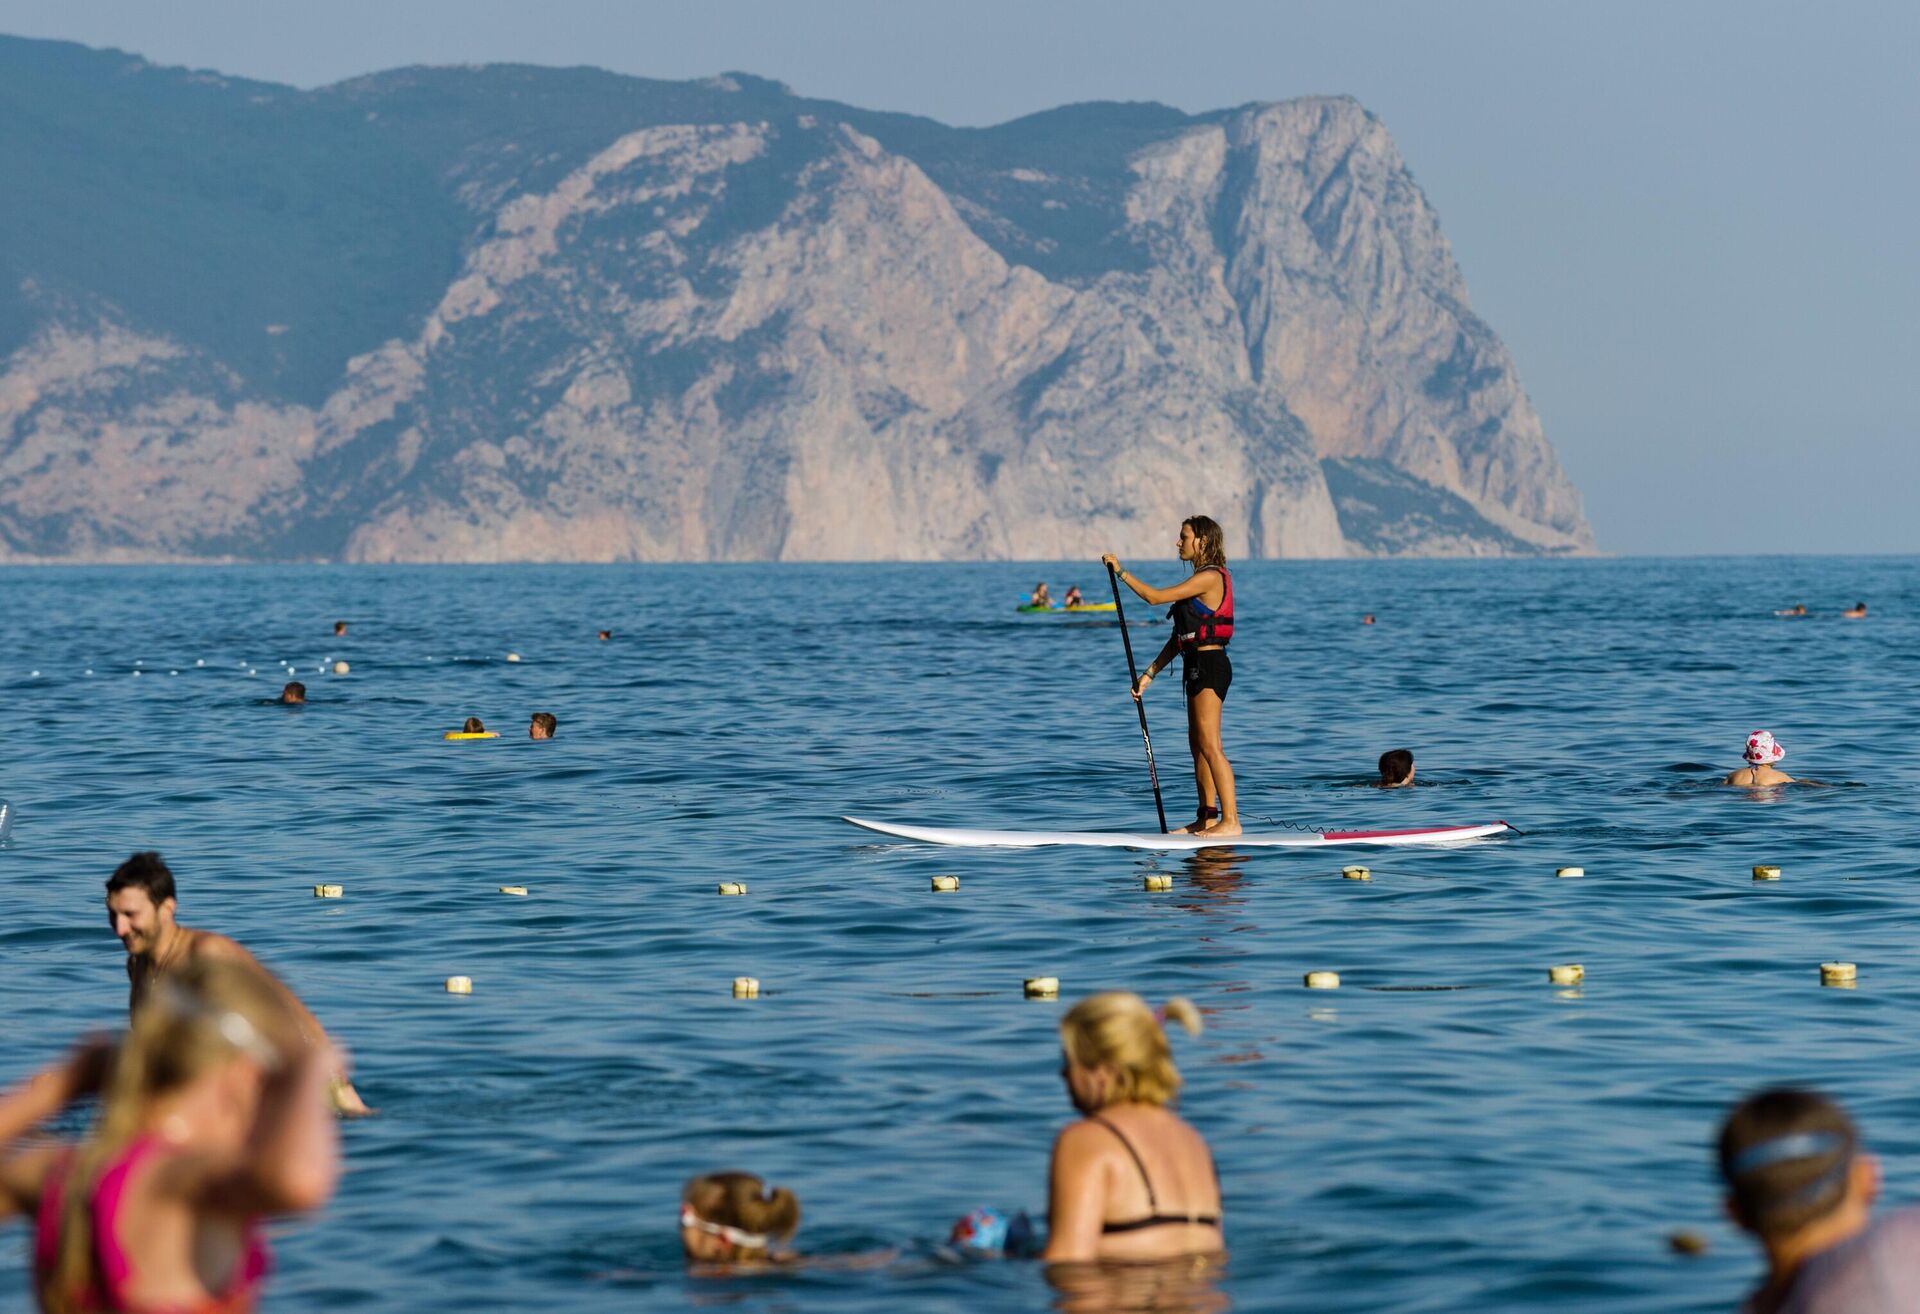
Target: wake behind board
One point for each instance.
(1117, 839)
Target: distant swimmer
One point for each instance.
(141, 901)
(1040, 598)
(473, 725)
(1131, 1181)
(732, 1218)
(294, 693)
(1202, 625)
(542, 726)
(339, 629)
(1858, 611)
(1073, 598)
(1367, 619)
(1762, 752)
(605, 635)
(213, 1118)
(1396, 768)
(1800, 1183)
(1797, 609)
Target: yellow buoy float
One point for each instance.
(328, 891)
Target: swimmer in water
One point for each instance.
(1396, 768)
(732, 1218)
(1858, 611)
(1040, 598)
(1367, 619)
(605, 635)
(542, 726)
(1797, 609)
(473, 725)
(1202, 617)
(339, 629)
(1762, 752)
(294, 694)
(1073, 598)
(1799, 1182)
(213, 1117)
(1130, 1181)
(141, 902)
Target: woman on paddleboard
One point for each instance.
(1202, 617)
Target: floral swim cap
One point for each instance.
(1761, 750)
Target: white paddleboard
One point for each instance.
(1117, 839)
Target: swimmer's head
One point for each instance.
(473, 726)
(1114, 1050)
(140, 901)
(605, 635)
(542, 726)
(294, 692)
(1396, 766)
(339, 627)
(1762, 750)
(1790, 1158)
(734, 1216)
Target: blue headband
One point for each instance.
(1784, 1149)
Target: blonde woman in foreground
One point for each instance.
(1131, 1180)
(213, 1115)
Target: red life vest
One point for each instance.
(1197, 626)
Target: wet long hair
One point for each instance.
(1118, 1030)
(744, 1201)
(1213, 542)
(185, 1029)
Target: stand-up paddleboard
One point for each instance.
(1117, 839)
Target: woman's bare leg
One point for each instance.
(1202, 775)
(1203, 712)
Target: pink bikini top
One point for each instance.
(113, 1269)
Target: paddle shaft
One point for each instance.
(1139, 704)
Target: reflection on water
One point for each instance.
(1175, 1286)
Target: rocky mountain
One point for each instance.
(513, 313)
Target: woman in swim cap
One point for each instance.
(1131, 1180)
(1762, 752)
(214, 1115)
(732, 1218)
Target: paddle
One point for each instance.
(1139, 704)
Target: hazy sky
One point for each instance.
(1696, 225)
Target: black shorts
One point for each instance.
(1206, 669)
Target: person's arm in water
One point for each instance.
(212, 945)
(1076, 1197)
(1191, 587)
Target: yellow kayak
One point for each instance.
(1028, 607)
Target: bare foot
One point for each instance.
(1225, 828)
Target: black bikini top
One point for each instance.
(1155, 1218)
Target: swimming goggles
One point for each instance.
(738, 1236)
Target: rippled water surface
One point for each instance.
(1500, 1144)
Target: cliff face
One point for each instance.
(717, 321)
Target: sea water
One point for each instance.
(1446, 1131)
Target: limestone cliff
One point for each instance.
(718, 321)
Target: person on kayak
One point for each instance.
(1073, 598)
(1202, 617)
(1040, 598)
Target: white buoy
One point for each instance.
(746, 987)
(329, 891)
(1569, 872)
(1567, 974)
(520, 890)
(1764, 873)
(733, 887)
(513, 656)
(945, 884)
(1356, 873)
(1041, 987)
(1840, 974)
(1156, 882)
(341, 668)
(1323, 980)
(459, 985)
